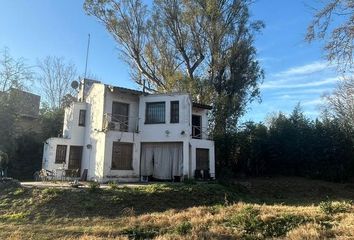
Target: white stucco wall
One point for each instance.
(71, 128)
(132, 100)
(170, 132)
(97, 143)
(200, 143)
(94, 144)
(204, 115)
(122, 175)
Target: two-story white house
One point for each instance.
(113, 133)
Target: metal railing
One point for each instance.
(200, 133)
(120, 123)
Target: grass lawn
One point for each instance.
(281, 208)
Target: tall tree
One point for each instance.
(202, 47)
(14, 73)
(55, 78)
(334, 23)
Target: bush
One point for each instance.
(6, 183)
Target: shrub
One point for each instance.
(184, 228)
(9, 183)
(329, 207)
(94, 186)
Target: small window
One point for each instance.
(155, 113)
(122, 156)
(174, 112)
(60, 155)
(82, 118)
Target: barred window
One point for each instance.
(155, 112)
(174, 112)
(60, 155)
(122, 156)
(82, 118)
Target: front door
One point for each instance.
(196, 126)
(75, 157)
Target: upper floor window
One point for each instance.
(120, 114)
(82, 118)
(155, 112)
(174, 112)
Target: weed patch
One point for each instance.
(330, 207)
(184, 228)
(141, 233)
(252, 224)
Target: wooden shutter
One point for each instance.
(174, 112)
(122, 156)
(202, 159)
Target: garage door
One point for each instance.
(162, 160)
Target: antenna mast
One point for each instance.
(87, 53)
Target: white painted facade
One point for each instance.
(97, 140)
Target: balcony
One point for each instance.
(200, 133)
(120, 123)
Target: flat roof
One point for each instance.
(201, 105)
(138, 92)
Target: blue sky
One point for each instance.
(295, 71)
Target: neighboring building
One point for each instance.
(26, 107)
(121, 134)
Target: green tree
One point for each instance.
(202, 47)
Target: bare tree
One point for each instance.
(334, 23)
(55, 78)
(14, 73)
(341, 103)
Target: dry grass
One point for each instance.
(178, 211)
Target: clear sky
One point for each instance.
(295, 71)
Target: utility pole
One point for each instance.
(87, 53)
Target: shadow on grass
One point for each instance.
(125, 201)
(51, 203)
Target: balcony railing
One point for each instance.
(200, 133)
(120, 123)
